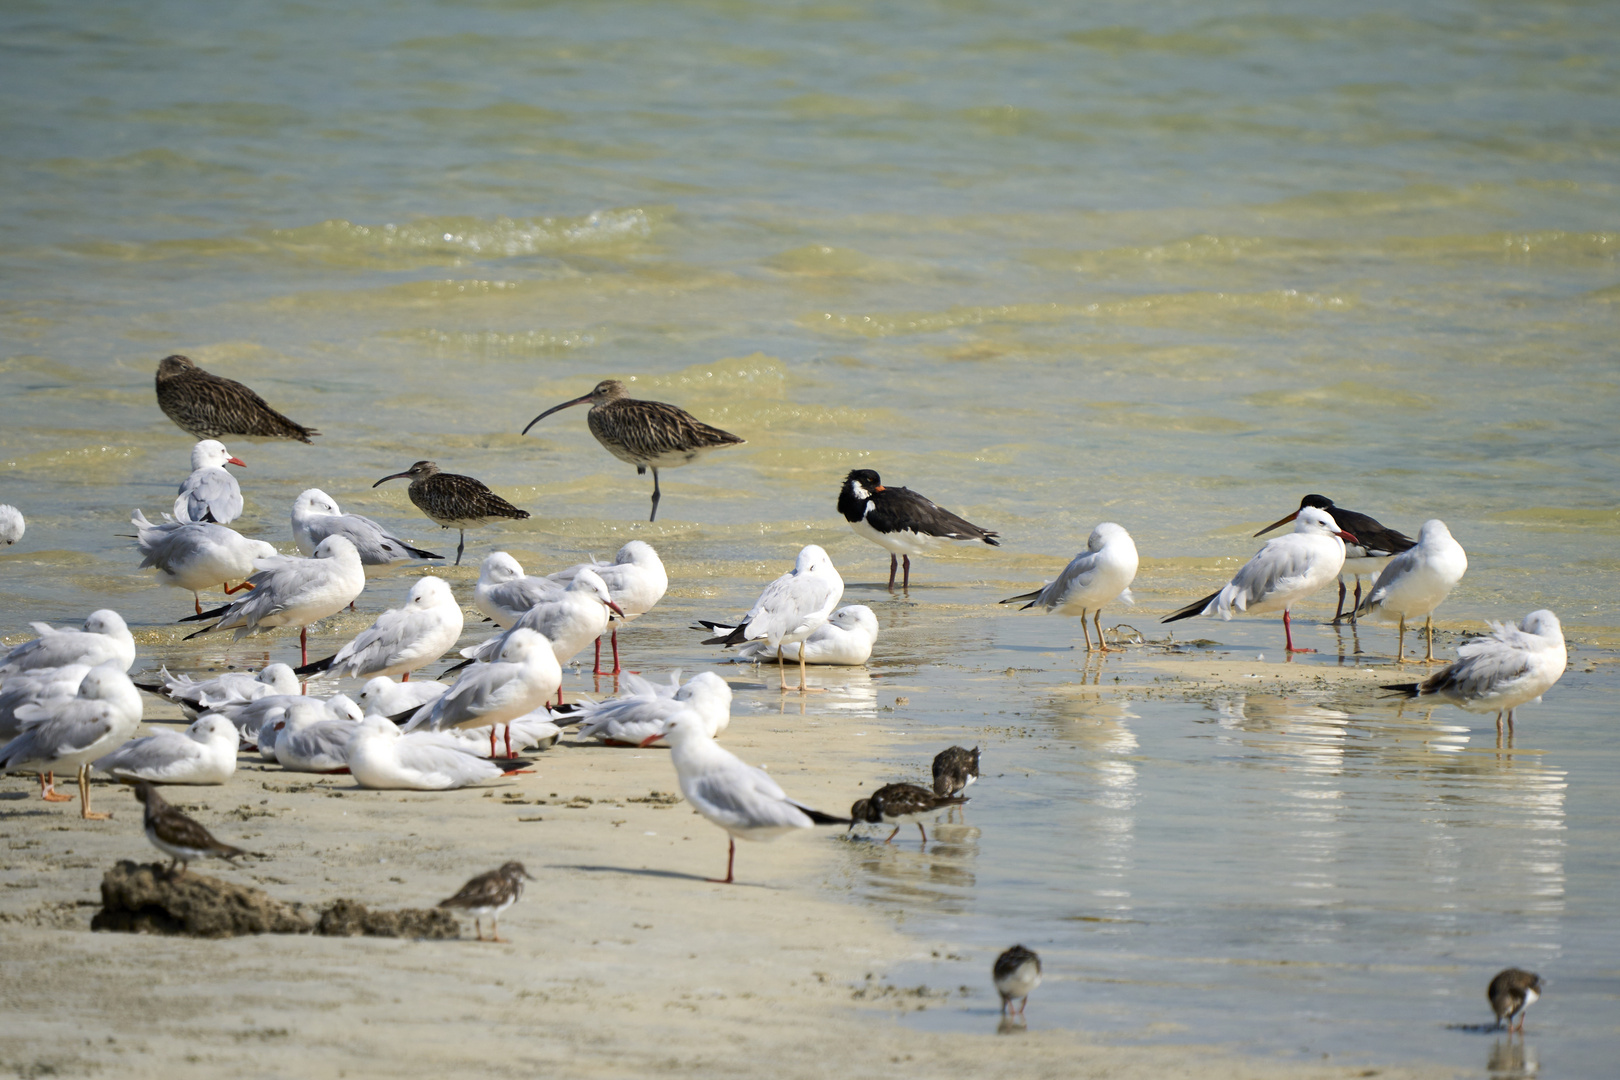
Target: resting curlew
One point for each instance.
(454, 501)
(209, 405)
(647, 434)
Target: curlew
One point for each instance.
(647, 434)
(208, 405)
(453, 501)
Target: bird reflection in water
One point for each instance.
(937, 876)
(1012, 1025)
(1355, 642)
(1511, 1060)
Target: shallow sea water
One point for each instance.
(1171, 265)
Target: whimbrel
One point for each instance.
(454, 501)
(902, 522)
(1375, 543)
(647, 434)
(209, 405)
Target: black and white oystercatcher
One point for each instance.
(954, 769)
(647, 434)
(487, 895)
(176, 835)
(894, 804)
(208, 405)
(454, 501)
(1016, 972)
(1512, 992)
(902, 522)
(1374, 543)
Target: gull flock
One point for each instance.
(67, 701)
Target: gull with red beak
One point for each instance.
(739, 798)
(210, 493)
(1374, 544)
(647, 434)
(1288, 569)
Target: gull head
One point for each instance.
(106, 621)
(855, 617)
(684, 727)
(279, 676)
(1312, 520)
(1543, 623)
(589, 581)
(498, 568)
(639, 552)
(337, 547)
(523, 643)
(429, 592)
(1105, 532)
(211, 454)
(313, 502)
(811, 559)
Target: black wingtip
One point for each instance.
(453, 668)
(214, 614)
(418, 553)
(824, 819)
(1195, 608)
(1030, 596)
(315, 667)
(737, 636)
(990, 538)
(1410, 689)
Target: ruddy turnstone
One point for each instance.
(954, 769)
(176, 835)
(893, 804)
(1511, 993)
(1017, 971)
(902, 522)
(487, 895)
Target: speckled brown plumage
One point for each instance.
(1511, 992)
(1016, 972)
(895, 803)
(176, 835)
(454, 501)
(647, 434)
(954, 769)
(209, 406)
(489, 895)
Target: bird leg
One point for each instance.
(1400, 643)
(596, 668)
(894, 567)
(197, 602)
(478, 928)
(303, 645)
(892, 835)
(1289, 635)
(229, 591)
(84, 794)
(495, 930)
(1338, 614)
(47, 788)
(1428, 631)
(491, 756)
(559, 695)
(1085, 630)
(614, 638)
(460, 547)
(781, 668)
(731, 860)
(509, 754)
(1357, 604)
(905, 561)
(803, 689)
(656, 496)
(923, 831)
(405, 677)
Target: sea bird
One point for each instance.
(12, 525)
(1414, 583)
(208, 406)
(1098, 575)
(523, 678)
(381, 757)
(1500, 671)
(1511, 993)
(195, 555)
(290, 591)
(954, 769)
(196, 697)
(846, 639)
(71, 732)
(1374, 543)
(570, 620)
(742, 800)
(790, 609)
(1016, 972)
(487, 895)
(210, 493)
(647, 434)
(176, 835)
(644, 708)
(1287, 569)
(105, 637)
(315, 516)
(636, 580)
(504, 592)
(454, 501)
(204, 753)
(902, 522)
(401, 639)
(895, 804)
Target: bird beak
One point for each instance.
(554, 408)
(530, 876)
(1346, 536)
(236, 461)
(649, 740)
(395, 476)
(616, 609)
(1278, 523)
(879, 488)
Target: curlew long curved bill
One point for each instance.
(556, 408)
(394, 476)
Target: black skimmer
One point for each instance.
(954, 769)
(1286, 570)
(1098, 575)
(1415, 581)
(177, 835)
(209, 406)
(894, 804)
(487, 895)
(647, 434)
(1374, 543)
(902, 522)
(453, 501)
(1511, 665)
(1511, 993)
(1016, 972)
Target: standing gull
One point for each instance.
(401, 639)
(901, 521)
(289, 591)
(315, 516)
(72, 732)
(208, 406)
(521, 680)
(487, 895)
(453, 501)
(647, 434)
(210, 493)
(790, 609)
(1499, 672)
(504, 592)
(177, 836)
(104, 637)
(570, 621)
(195, 555)
(12, 525)
(1285, 571)
(1416, 581)
(636, 580)
(1097, 576)
(739, 798)
(1374, 543)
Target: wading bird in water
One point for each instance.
(902, 522)
(454, 501)
(647, 434)
(1375, 542)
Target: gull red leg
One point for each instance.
(405, 677)
(509, 754)
(596, 668)
(1288, 633)
(303, 645)
(731, 861)
(491, 744)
